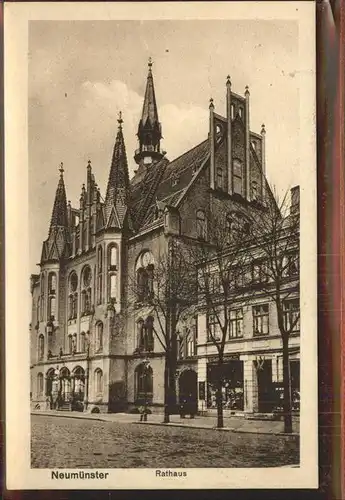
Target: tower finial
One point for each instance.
(119, 120)
(228, 80)
(61, 169)
(150, 63)
(246, 93)
(211, 104)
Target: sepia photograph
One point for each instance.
(170, 245)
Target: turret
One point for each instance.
(149, 129)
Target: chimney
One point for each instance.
(294, 207)
(229, 137)
(211, 138)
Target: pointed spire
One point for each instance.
(118, 182)
(150, 112)
(149, 129)
(59, 213)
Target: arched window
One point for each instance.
(86, 290)
(201, 225)
(149, 336)
(240, 111)
(82, 342)
(232, 111)
(70, 344)
(220, 180)
(79, 383)
(237, 175)
(40, 384)
(40, 347)
(145, 276)
(73, 295)
(145, 334)
(143, 383)
(74, 343)
(98, 381)
(112, 256)
(100, 275)
(99, 336)
(51, 296)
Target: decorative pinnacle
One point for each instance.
(150, 63)
(119, 120)
(211, 106)
(263, 130)
(246, 90)
(83, 188)
(61, 169)
(89, 164)
(228, 80)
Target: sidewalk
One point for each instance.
(234, 424)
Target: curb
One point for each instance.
(162, 424)
(223, 429)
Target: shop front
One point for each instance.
(230, 373)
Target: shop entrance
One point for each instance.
(188, 391)
(266, 394)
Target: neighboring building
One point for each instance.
(93, 341)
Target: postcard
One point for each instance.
(161, 321)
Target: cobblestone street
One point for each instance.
(80, 443)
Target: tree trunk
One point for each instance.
(166, 389)
(219, 399)
(286, 386)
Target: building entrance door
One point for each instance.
(265, 387)
(188, 392)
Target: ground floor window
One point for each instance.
(143, 383)
(98, 381)
(294, 384)
(231, 376)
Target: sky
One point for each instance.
(82, 73)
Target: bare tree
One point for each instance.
(170, 292)
(274, 252)
(220, 261)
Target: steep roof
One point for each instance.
(149, 116)
(164, 181)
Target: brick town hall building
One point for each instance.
(89, 349)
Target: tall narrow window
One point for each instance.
(40, 347)
(149, 338)
(86, 292)
(112, 256)
(232, 111)
(112, 286)
(70, 344)
(82, 342)
(40, 384)
(145, 276)
(236, 323)
(100, 276)
(291, 315)
(220, 181)
(237, 177)
(143, 383)
(73, 296)
(99, 336)
(38, 311)
(98, 381)
(201, 225)
(261, 319)
(51, 296)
